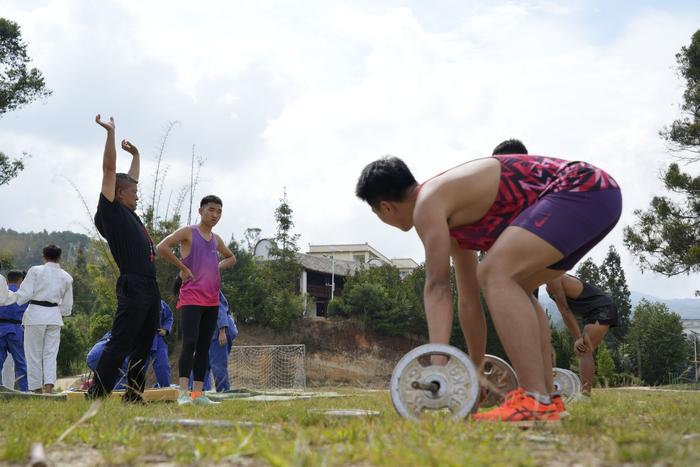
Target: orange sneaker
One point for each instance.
(521, 409)
(558, 401)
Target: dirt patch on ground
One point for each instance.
(338, 351)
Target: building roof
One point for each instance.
(328, 265)
(404, 263)
(348, 248)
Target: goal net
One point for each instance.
(267, 366)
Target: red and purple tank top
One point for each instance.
(525, 179)
(203, 261)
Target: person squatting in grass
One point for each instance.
(536, 216)
(198, 300)
(138, 297)
(599, 313)
(49, 291)
(158, 354)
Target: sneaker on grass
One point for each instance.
(521, 409)
(204, 400)
(184, 398)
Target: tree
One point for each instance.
(280, 274)
(657, 344)
(589, 272)
(251, 236)
(615, 283)
(286, 241)
(286, 267)
(9, 168)
(19, 85)
(563, 346)
(666, 236)
(605, 365)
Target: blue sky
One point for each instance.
(302, 95)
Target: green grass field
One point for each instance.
(618, 427)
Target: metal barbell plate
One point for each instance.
(564, 384)
(457, 380)
(577, 381)
(502, 380)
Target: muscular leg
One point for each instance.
(545, 344)
(596, 333)
(517, 263)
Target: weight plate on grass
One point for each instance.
(565, 384)
(418, 385)
(577, 381)
(502, 379)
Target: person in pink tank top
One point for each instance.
(537, 216)
(198, 300)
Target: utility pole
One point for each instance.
(639, 360)
(332, 277)
(695, 353)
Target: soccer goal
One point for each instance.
(267, 366)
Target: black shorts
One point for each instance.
(603, 315)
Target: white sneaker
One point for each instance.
(184, 398)
(204, 400)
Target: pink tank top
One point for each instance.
(524, 180)
(203, 261)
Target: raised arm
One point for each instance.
(471, 313)
(165, 249)
(109, 160)
(229, 259)
(135, 168)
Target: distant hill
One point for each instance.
(24, 248)
(687, 308)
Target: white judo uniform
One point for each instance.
(49, 291)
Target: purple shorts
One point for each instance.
(573, 222)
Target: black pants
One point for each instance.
(133, 329)
(198, 325)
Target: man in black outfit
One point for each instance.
(138, 298)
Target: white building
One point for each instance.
(325, 268)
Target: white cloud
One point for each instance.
(276, 95)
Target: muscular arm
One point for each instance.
(555, 289)
(432, 229)
(471, 313)
(135, 167)
(229, 259)
(109, 160)
(165, 248)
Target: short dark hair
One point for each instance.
(386, 179)
(510, 146)
(14, 276)
(124, 180)
(211, 199)
(52, 252)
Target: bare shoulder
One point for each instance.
(183, 234)
(429, 211)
